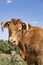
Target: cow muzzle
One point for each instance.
(12, 42)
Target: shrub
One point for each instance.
(6, 48)
(7, 59)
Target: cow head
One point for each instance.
(16, 29)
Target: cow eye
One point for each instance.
(8, 23)
(19, 30)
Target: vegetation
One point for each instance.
(6, 48)
(5, 55)
(7, 59)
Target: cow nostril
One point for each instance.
(11, 40)
(14, 41)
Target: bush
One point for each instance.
(6, 48)
(5, 56)
(7, 59)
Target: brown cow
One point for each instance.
(28, 38)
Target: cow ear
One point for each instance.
(26, 26)
(4, 25)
